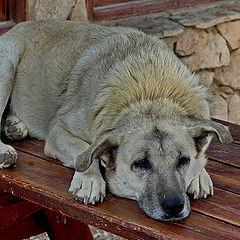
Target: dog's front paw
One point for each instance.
(8, 156)
(88, 187)
(201, 186)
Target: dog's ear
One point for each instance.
(103, 149)
(203, 133)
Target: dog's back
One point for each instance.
(51, 49)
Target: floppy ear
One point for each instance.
(100, 149)
(203, 133)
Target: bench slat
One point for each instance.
(227, 175)
(14, 212)
(121, 217)
(224, 176)
(223, 205)
(225, 153)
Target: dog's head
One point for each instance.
(154, 163)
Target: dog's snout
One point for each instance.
(173, 204)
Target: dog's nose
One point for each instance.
(173, 204)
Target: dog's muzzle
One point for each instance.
(170, 208)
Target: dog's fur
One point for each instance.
(111, 94)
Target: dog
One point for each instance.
(112, 97)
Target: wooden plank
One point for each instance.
(138, 7)
(225, 153)
(63, 227)
(13, 212)
(224, 177)
(3, 10)
(16, 10)
(123, 217)
(89, 6)
(97, 3)
(229, 175)
(130, 9)
(24, 228)
(223, 205)
(7, 199)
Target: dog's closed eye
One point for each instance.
(142, 163)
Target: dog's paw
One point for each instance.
(201, 186)
(8, 156)
(14, 128)
(88, 187)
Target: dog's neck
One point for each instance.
(150, 85)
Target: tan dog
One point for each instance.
(111, 94)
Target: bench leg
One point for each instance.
(62, 227)
(17, 219)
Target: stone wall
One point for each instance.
(206, 38)
(62, 9)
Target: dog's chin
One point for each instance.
(167, 217)
(178, 217)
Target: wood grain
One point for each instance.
(120, 216)
(12, 213)
(23, 228)
(3, 10)
(63, 227)
(118, 9)
(16, 10)
(225, 153)
(224, 176)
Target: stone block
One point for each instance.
(79, 11)
(231, 32)
(203, 17)
(29, 9)
(230, 75)
(225, 91)
(51, 9)
(206, 77)
(219, 108)
(154, 24)
(171, 41)
(202, 49)
(234, 110)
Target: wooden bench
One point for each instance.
(44, 204)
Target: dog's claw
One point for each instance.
(195, 194)
(85, 200)
(102, 197)
(211, 190)
(205, 195)
(74, 191)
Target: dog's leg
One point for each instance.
(87, 186)
(201, 186)
(11, 48)
(14, 128)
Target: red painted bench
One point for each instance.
(34, 198)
